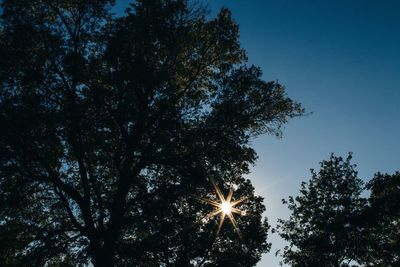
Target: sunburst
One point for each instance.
(225, 207)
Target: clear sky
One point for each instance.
(341, 60)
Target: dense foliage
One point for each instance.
(382, 218)
(321, 229)
(112, 127)
(332, 224)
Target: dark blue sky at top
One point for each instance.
(341, 60)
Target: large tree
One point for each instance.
(324, 226)
(113, 128)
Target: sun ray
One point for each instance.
(229, 197)
(221, 221)
(209, 201)
(235, 226)
(219, 193)
(212, 214)
(236, 210)
(236, 202)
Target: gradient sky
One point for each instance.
(341, 60)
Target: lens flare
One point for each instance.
(225, 207)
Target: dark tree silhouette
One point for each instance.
(113, 127)
(382, 221)
(323, 229)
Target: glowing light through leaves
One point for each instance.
(225, 207)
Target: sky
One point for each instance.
(341, 60)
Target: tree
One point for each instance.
(322, 229)
(113, 127)
(382, 221)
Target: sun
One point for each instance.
(225, 207)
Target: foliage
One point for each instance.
(111, 127)
(324, 225)
(382, 218)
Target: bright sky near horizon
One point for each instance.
(341, 60)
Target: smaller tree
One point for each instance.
(322, 229)
(382, 217)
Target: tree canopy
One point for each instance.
(323, 228)
(382, 220)
(113, 127)
(333, 224)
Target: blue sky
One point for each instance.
(341, 60)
